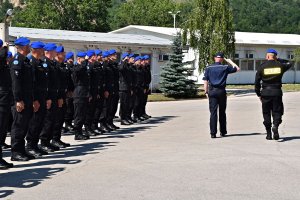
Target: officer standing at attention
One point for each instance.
(81, 80)
(40, 92)
(5, 100)
(69, 99)
(22, 86)
(268, 83)
(215, 77)
(148, 79)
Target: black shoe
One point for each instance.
(5, 146)
(136, 120)
(116, 127)
(125, 122)
(60, 144)
(145, 116)
(111, 127)
(269, 135)
(55, 148)
(42, 151)
(33, 153)
(130, 121)
(105, 128)
(19, 157)
(148, 116)
(223, 134)
(89, 132)
(97, 131)
(47, 148)
(275, 132)
(213, 136)
(81, 137)
(5, 165)
(142, 119)
(69, 128)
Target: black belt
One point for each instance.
(217, 87)
(271, 87)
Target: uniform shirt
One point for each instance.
(40, 84)
(148, 76)
(53, 79)
(216, 74)
(63, 75)
(69, 73)
(125, 76)
(270, 74)
(140, 78)
(100, 77)
(81, 79)
(5, 79)
(108, 77)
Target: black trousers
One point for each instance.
(4, 122)
(80, 110)
(59, 121)
(272, 106)
(145, 100)
(20, 127)
(114, 107)
(98, 111)
(69, 114)
(36, 125)
(138, 103)
(50, 117)
(132, 99)
(90, 114)
(124, 104)
(217, 101)
(105, 114)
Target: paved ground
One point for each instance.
(172, 157)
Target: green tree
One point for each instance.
(77, 15)
(174, 76)
(209, 30)
(4, 6)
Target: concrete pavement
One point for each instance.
(171, 157)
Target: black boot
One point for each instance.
(16, 156)
(33, 152)
(269, 135)
(5, 165)
(275, 132)
(125, 122)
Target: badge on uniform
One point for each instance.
(16, 62)
(16, 73)
(45, 65)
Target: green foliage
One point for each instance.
(4, 6)
(174, 76)
(79, 15)
(213, 21)
(268, 16)
(297, 55)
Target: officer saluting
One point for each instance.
(269, 78)
(215, 77)
(22, 87)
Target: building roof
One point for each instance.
(92, 37)
(241, 37)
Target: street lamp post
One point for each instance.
(174, 16)
(3, 26)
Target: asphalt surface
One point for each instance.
(171, 157)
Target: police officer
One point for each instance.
(63, 77)
(22, 86)
(81, 80)
(131, 74)
(125, 88)
(94, 81)
(115, 88)
(40, 92)
(139, 90)
(268, 83)
(214, 85)
(98, 66)
(69, 99)
(52, 102)
(5, 100)
(148, 79)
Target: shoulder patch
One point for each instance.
(16, 62)
(45, 65)
(272, 71)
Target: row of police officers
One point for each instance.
(48, 92)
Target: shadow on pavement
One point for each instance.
(287, 139)
(31, 177)
(243, 134)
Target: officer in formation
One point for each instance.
(268, 83)
(48, 93)
(215, 77)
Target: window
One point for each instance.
(236, 55)
(247, 65)
(249, 54)
(290, 55)
(297, 66)
(163, 57)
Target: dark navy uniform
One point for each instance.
(148, 79)
(216, 76)
(22, 86)
(268, 83)
(139, 92)
(69, 99)
(40, 94)
(115, 92)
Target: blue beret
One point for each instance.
(37, 45)
(219, 55)
(105, 54)
(9, 54)
(69, 55)
(112, 51)
(272, 51)
(81, 54)
(1, 43)
(90, 53)
(98, 52)
(131, 55)
(60, 49)
(50, 47)
(22, 41)
(146, 57)
(137, 58)
(124, 55)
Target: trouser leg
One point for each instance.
(222, 113)
(266, 110)
(4, 121)
(50, 117)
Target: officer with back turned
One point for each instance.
(268, 83)
(215, 77)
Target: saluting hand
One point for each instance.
(20, 106)
(60, 102)
(36, 106)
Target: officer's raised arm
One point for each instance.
(229, 61)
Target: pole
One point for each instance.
(174, 16)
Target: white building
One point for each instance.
(250, 51)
